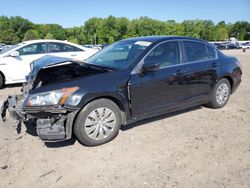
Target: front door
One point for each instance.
(19, 66)
(160, 90)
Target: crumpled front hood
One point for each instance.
(44, 62)
(50, 69)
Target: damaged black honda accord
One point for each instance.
(130, 80)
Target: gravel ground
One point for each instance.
(199, 147)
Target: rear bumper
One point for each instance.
(237, 74)
(236, 85)
(52, 124)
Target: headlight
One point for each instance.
(74, 100)
(51, 98)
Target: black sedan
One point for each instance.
(130, 80)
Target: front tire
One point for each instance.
(98, 122)
(220, 94)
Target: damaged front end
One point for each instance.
(51, 96)
(52, 111)
(53, 122)
(11, 104)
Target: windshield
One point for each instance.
(6, 49)
(119, 55)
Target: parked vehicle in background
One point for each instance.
(104, 45)
(130, 80)
(237, 45)
(222, 46)
(15, 60)
(2, 46)
(232, 46)
(96, 47)
(246, 45)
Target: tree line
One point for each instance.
(108, 30)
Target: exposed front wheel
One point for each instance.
(221, 94)
(98, 122)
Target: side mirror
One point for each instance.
(14, 54)
(150, 67)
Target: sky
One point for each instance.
(70, 13)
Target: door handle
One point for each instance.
(214, 64)
(73, 55)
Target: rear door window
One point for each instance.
(60, 47)
(77, 49)
(195, 51)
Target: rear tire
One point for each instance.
(1, 81)
(220, 94)
(98, 122)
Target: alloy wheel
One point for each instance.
(222, 93)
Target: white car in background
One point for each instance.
(246, 45)
(15, 60)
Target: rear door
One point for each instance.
(164, 89)
(201, 69)
(67, 50)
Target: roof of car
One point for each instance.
(43, 40)
(159, 38)
(52, 40)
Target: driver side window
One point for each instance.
(166, 54)
(39, 48)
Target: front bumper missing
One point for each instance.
(3, 110)
(52, 124)
(48, 130)
(11, 105)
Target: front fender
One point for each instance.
(120, 98)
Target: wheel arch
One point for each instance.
(229, 78)
(77, 127)
(118, 100)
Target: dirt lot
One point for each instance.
(200, 147)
